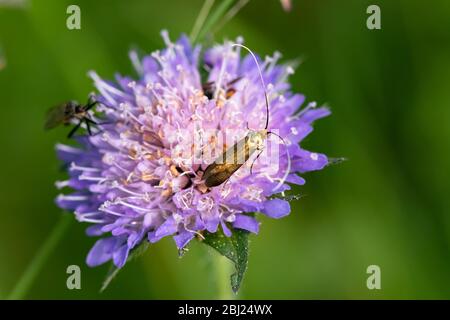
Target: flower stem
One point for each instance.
(224, 269)
(204, 11)
(36, 265)
(230, 14)
(214, 17)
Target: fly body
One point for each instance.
(210, 87)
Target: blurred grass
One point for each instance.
(388, 90)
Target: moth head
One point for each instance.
(257, 138)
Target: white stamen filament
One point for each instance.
(272, 61)
(222, 71)
(132, 206)
(171, 93)
(101, 83)
(118, 166)
(68, 149)
(166, 89)
(136, 63)
(88, 178)
(75, 167)
(186, 198)
(118, 186)
(265, 175)
(86, 214)
(81, 219)
(310, 106)
(150, 87)
(104, 208)
(169, 44)
(126, 110)
(68, 197)
(98, 82)
(62, 184)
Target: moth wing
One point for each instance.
(228, 163)
(216, 174)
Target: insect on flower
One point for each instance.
(136, 182)
(68, 112)
(209, 88)
(234, 157)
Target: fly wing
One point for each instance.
(55, 117)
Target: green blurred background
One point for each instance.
(389, 93)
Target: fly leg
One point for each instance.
(74, 129)
(88, 122)
(90, 105)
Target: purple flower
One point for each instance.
(139, 177)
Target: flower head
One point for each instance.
(139, 177)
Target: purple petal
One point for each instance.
(315, 114)
(308, 161)
(101, 252)
(287, 107)
(276, 208)
(68, 153)
(246, 223)
(94, 230)
(191, 53)
(293, 178)
(226, 230)
(167, 228)
(183, 239)
(71, 201)
(212, 224)
(135, 238)
(120, 256)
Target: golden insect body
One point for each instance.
(233, 158)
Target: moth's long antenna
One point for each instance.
(260, 76)
(288, 169)
(196, 232)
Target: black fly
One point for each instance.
(66, 113)
(209, 88)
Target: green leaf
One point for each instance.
(234, 248)
(113, 270)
